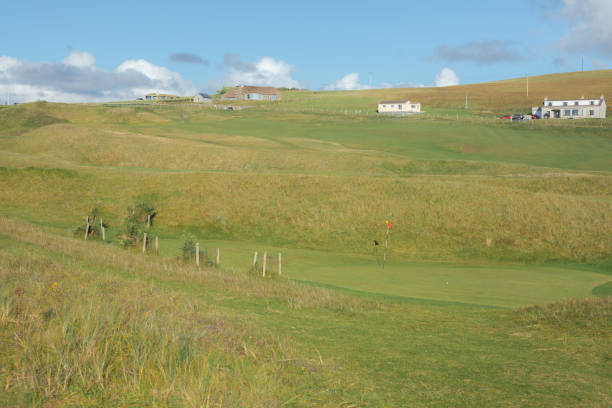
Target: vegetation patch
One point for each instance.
(603, 290)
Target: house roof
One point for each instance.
(232, 93)
(404, 101)
(263, 90)
(572, 102)
(204, 95)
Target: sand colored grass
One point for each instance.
(506, 207)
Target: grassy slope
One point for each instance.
(87, 324)
(315, 176)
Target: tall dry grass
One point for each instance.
(85, 324)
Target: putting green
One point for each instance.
(490, 285)
(486, 285)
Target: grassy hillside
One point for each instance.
(486, 216)
(487, 99)
(83, 324)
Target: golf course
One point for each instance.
(447, 258)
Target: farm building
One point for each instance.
(399, 107)
(202, 98)
(160, 97)
(571, 109)
(254, 93)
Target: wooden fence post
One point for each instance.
(264, 264)
(156, 245)
(255, 258)
(198, 254)
(149, 220)
(144, 243)
(103, 230)
(217, 260)
(279, 264)
(87, 227)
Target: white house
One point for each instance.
(399, 107)
(202, 98)
(255, 93)
(160, 97)
(571, 109)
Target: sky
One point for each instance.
(80, 51)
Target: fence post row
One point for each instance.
(144, 242)
(264, 264)
(198, 254)
(279, 264)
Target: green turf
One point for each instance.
(487, 216)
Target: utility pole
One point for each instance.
(582, 64)
(527, 76)
(466, 100)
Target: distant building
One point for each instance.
(571, 109)
(160, 97)
(253, 93)
(399, 107)
(202, 98)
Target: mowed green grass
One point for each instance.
(87, 324)
(495, 284)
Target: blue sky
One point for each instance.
(75, 50)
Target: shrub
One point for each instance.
(138, 221)
(94, 227)
(188, 252)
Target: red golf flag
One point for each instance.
(389, 223)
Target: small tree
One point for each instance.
(188, 252)
(94, 227)
(138, 221)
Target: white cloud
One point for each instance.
(446, 77)
(165, 81)
(80, 59)
(77, 79)
(590, 29)
(265, 72)
(349, 82)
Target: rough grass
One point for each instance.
(82, 323)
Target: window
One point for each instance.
(413, 106)
(592, 102)
(391, 105)
(549, 103)
(399, 107)
(566, 112)
(574, 112)
(272, 97)
(384, 106)
(592, 112)
(564, 103)
(576, 103)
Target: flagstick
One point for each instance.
(386, 242)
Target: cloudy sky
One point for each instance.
(114, 50)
